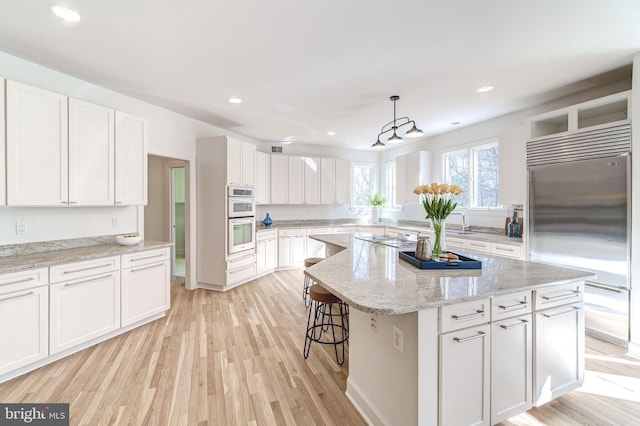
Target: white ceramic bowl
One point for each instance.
(128, 240)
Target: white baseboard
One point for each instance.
(364, 406)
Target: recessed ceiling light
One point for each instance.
(234, 100)
(64, 13)
(484, 89)
(331, 133)
(455, 123)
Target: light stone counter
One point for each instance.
(370, 277)
(20, 262)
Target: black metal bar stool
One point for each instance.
(309, 261)
(330, 322)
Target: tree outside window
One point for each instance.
(475, 170)
(363, 181)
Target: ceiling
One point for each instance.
(306, 68)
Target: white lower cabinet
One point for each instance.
(145, 287)
(83, 309)
(465, 376)
(266, 251)
(24, 318)
(292, 248)
(511, 367)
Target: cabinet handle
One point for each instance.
(17, 297)
(477, 313)
(146, 267)
(561, 296)
(88, 281)
(518, 305)
(119, 202)
(18, 282)
(510, 250)
(86, 269)
(477, 245)
(575, 308)
(73, 202)
(522, 322)
(466, 339)
(145, 258)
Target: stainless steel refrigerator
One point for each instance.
(579, 216)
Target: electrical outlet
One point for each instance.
(21, 228)
(374, 323)
(398, 339)
(114, 222)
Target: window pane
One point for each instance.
(486, 176)
(390, 180)
(362, 184)
(456, 172)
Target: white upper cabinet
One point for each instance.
(343, 181)
(279, 179)
(130, 160)
(3, 144)
(296, 180)
(312, 180)
(241, 163)
(263, 178)
(328, 181)
(411, 170)
(91, 154)
(37, 155)
(512, 172)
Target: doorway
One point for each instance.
(178, 212)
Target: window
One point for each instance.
(475, 170)
(390, 183)
(363, 184)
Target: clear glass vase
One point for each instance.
(437, 238)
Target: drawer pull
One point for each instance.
(18, 282)
(561, 296)
(148, 257)
(575, 308)
(477, 245)
(17, 297)
(510, 250)
(466, 339)
(522, 322)
(88, 281)
(87, 269)
(514, 307)
(477, 313)
(146, 267)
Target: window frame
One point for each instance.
(372, 189)
(392, 198)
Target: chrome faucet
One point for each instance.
(465, 227)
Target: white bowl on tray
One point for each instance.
(128, 240)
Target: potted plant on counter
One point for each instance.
(376, 202)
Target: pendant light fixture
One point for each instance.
(394, 125)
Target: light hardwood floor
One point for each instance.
(235, 358)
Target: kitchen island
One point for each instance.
(451, 347)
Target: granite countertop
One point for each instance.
(371, 278)
(41, 259)
(481, 235)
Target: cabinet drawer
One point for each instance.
(482, 246)
(145, 257)
(242, 274)
(266, 235)
(559, 295)
(240, 262)
(23, 280)
(344, 230)
(466, 314)
(511, 305)
(507, 250)
(456, 242)
(292, 232)
(71, 271)
(319, 231)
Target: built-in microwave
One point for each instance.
(241, 207)
(242, 235)
(241, 191)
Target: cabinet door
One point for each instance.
(343, 181)
(37, 147)
(3, 145)
(263, 178)
(91, 154)
(311, 180)
(464, 376)
(271, 258)
(296, 180)
(285, 259)
(82, 310)
(315, 248)
(298, 251)
(248, 164)
(559, 352)
(401, 180)
(145, 292)
(279, 179)
(511, 367)
(234, 162)
(131, 160)
(24, 327)
(512, 170)
(261, 257)
(327, 181)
